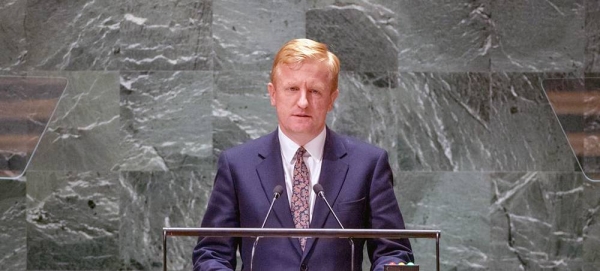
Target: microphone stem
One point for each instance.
(351, 254)
(322, 195)
(252, 254)
(263, 225)
(268, 213)
(332, 212)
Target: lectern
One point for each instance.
(295, 233)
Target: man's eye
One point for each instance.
(293, 89)
(315, 91)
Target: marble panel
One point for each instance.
(153, 200)
(166, 35)
(426, 121)
(247, 34)
(536, 221)
(367, 108)
(538, 36)
(165, 120)
(72, 35)
(241, 108)
(457, 203)
(354, 36)
(13, 233)
(425, 35)
(592, 34)
(526, 134)
(591, 226)
(72, 220)
(12, 34)
(84, 131)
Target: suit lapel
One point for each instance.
(270, 172)
(333, 175)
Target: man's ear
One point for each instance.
(334, 96)
(271, 89)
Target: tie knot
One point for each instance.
(300, 153)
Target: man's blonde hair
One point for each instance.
(296, 51)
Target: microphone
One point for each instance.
(318, 188)
(276, 193)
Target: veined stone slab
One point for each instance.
(592, 35)
(535, 219)
(13, 45)
(241, 108)
(538, 36)
(153, 200)
(83, 133)
(13, 229)
(72, 221)
(526, 134)
(166, 35)
(247, 34)
(424, 120)
(165, 119)
(72, 35)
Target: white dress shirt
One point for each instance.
(313, 159)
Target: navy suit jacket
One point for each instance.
(357, 181)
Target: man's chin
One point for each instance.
(300, 130)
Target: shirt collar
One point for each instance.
(313, 147)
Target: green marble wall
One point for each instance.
(157, 89)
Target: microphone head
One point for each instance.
(318, 188)
(277, 191)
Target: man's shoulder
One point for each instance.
(256, 145)
(357, 146)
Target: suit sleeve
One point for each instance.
(384, 213)
(212, 253)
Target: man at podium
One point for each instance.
(355, 177)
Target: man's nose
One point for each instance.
(303, 99)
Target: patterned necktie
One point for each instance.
(300, 194)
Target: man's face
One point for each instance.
(302, 96)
